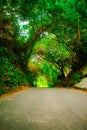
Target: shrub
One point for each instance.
(76, 77)
(10, 76)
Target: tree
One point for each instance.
(60, 25)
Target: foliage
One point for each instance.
(76, 77)
(48, 36)
(72, 79)
(11, 76)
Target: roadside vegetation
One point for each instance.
(42, 43)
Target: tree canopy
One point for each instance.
(41, 41)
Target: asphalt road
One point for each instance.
(44, 109)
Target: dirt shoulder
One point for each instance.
(22, 88)
(16, 90)
(72, 87)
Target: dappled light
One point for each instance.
(41, 82)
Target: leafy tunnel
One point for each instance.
(41, 41)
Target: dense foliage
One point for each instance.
(41, 41)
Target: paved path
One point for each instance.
(44, 109)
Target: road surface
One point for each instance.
(44, 109)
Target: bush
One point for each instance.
(10, 76)
(76, 77)
(71, 80)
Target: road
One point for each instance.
(44, 109)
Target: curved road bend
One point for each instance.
(44, 109)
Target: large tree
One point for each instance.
(24, 22)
